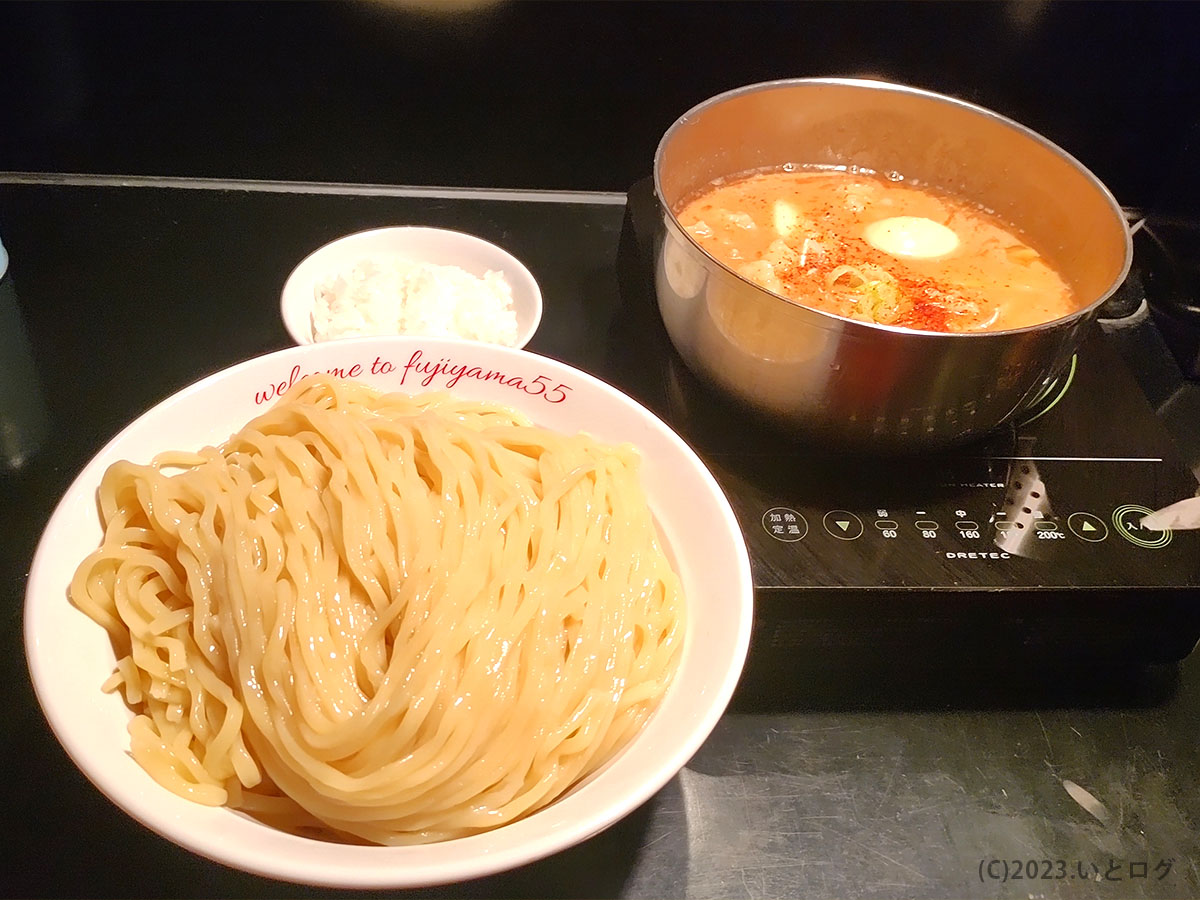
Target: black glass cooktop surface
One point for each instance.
(1027, 540)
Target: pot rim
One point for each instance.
(893, 87)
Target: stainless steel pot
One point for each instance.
(877, 387)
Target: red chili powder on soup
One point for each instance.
(865, 247)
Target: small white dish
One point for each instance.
(437, 246)
(70, 656)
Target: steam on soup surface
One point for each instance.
(862, 246)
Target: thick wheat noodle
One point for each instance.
(390, 618)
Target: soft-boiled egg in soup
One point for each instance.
(914, 237)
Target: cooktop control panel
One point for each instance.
(1005, 532)
(1061, 522)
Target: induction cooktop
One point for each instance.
(1027, 543)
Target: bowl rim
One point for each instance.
(295, 302)
(832, 321)
(665, 750)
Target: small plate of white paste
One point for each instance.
(411, 280)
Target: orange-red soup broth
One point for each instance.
(866, 247)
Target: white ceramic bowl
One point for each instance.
(70, 656)
(431, 245)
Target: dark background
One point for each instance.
(561, 95)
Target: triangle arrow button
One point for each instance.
(843, 524)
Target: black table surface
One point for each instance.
(895, 778)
